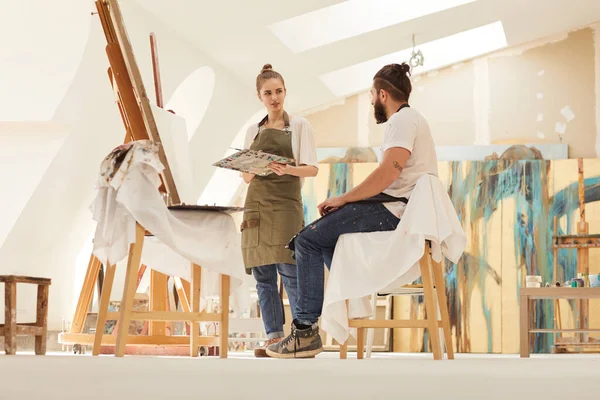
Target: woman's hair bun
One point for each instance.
(266, 67)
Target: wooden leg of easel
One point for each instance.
(440, 285)
(195, 305)
(430, 307)
(86, 295)
(224, 324)
(103, 308)
(133, 263)
(360, 343)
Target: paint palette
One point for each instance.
(252, 161)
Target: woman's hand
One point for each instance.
(247, 177)
(281, 169)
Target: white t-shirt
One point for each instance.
(408, 129)
(303, 141)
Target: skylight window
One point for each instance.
(438, 53)
(352, 18)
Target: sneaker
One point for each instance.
(261, 351)
(301, 343)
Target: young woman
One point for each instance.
(274, 212)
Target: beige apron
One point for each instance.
(274, 212)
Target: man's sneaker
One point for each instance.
(262, 350)
(301, 343)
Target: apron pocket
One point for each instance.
(250, 229)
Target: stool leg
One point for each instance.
(10, 318)
(440, 284)
(371, 331)
(224, 325)
(42, 319)
(344, 350)
(360, 343)
(103, 308)
(430, 307)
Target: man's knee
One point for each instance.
(307, 239)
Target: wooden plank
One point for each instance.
(116, 18)
(168, 316)
(562, 293)
(25, 279)
(10, 318)
(156, 70)
(103, 308)
(30, 331)
(107, 340)
(562, 330)
(86, 295)
(126, 307)
(195, 305)
(224, 321)
(41, 335)
(390, 323)
(158, 300)
(127, 100)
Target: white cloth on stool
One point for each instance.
(365, 263)
(209, 239)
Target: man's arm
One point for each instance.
(394, 160)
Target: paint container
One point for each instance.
(578, 282)
(594, 280)
(584, 278)
(533, 281)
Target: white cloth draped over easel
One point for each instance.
(365, 263)
(128, 192)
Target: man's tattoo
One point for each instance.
(397, 166)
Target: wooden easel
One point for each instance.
(134, 107)
(583, 242)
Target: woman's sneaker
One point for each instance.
(262, 350)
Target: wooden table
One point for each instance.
(529, 295)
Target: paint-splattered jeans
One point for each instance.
(314, 247)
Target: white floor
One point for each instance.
(386, 376)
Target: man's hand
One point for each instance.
(331, 204)
(281, 169)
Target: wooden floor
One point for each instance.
(65, 376)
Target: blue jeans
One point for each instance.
(314, 247)
(271, 307)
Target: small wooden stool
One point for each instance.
(11, 329)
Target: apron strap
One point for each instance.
(286, 123)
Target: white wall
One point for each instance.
(52, 232)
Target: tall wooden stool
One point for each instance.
(11, 329)
(126, 313)
(434, 286)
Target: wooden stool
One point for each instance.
(191, 313)
(433, 286)
(11, 329)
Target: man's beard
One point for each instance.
(379, 111)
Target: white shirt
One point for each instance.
(303, 142)
(408, 129)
